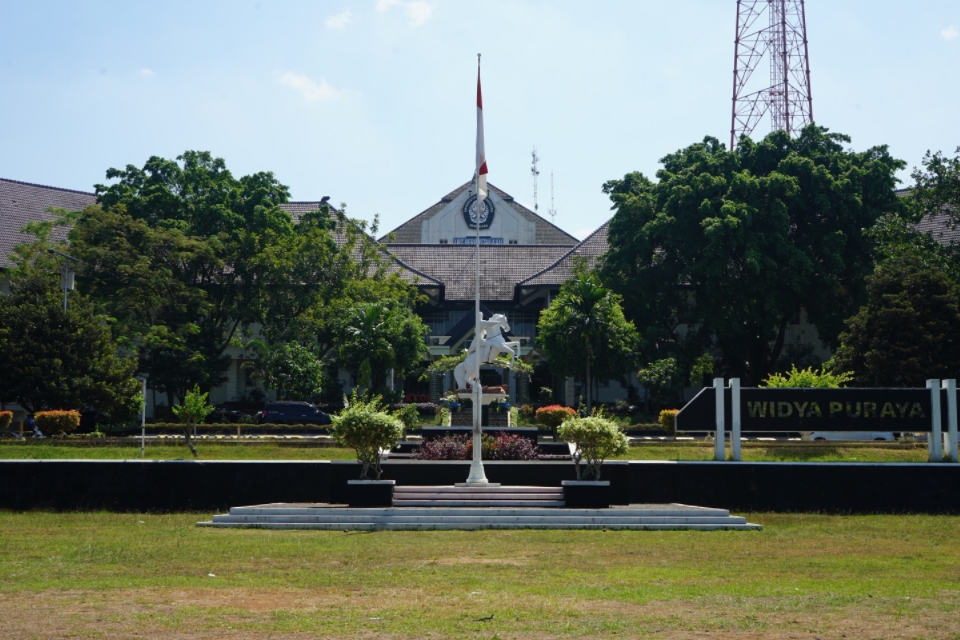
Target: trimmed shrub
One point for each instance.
(6, 417)
(423, 408)
(553, 415)
(408, 415)
(367, 429)
(668, 420)
(57, 421)
(596, 439)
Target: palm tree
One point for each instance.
(587, 309)
(584, 329)
(368, 344)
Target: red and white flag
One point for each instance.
(481, 158)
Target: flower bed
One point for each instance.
(460, 447)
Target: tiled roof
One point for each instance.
(942, 227)
(23, 202)
(300, 207)
(592, 247)
(547, 233)
(501, 266)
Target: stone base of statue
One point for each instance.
(489, 394)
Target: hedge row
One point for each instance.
(227, 426)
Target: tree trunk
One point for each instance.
(187, 438)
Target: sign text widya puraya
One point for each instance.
(858, 409)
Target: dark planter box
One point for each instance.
(370, 493)
(592, 494)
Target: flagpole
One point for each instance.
(477, 474)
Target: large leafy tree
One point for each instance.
(728, 246)
(909, 329)
(585, 333)
(378, 337)
(291, 369)
(55, 358)
(190, 260)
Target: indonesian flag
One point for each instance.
(481, 158)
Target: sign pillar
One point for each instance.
(735, 419)
(935, 439)
(951, 439)
(718, 445)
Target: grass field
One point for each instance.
(654, 451)
(804, 576)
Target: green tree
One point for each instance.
(663, 380)
(291, 369)
(732, 245)
(368, 429)
(584, 332)
(909, 329)
(187, 258)
(378, 337)
(56, 359)
(192, 412)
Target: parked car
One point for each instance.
(853, 435)
(292, 413)
(223, 414)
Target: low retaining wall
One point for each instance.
(175, 485)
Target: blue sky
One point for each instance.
(372, 102)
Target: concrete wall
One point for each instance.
(134, 485)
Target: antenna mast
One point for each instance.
(534, 172)
(781, 36)
(552, 211)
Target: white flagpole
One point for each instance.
(477, 474)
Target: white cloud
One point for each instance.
(309, 89)
(146, 72)
(950, 33)
(419, 11)
(338, 21)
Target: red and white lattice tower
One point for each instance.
(775, 31)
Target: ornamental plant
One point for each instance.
(553, 415)
(57, 421)
(193, 411)
(5, 418)
(596, 439)
(368, 429)
(809, 377)
(460, 447)
(668, 420)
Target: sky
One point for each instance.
(372, 102)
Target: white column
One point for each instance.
(934, 440)
(718, 445)
(950, 441)
(735, 419)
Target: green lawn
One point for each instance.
(803, 576)
(272, 451)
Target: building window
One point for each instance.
(513, 242)
(443, 241)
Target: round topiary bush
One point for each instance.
(553, 415)
(597, 439)
(367, 429)
(57, 421)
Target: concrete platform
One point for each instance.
(337, 517)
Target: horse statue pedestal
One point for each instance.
(488, 394)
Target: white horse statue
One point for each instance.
(486, 346)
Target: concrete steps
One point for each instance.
(340, 518)
(446, 496)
